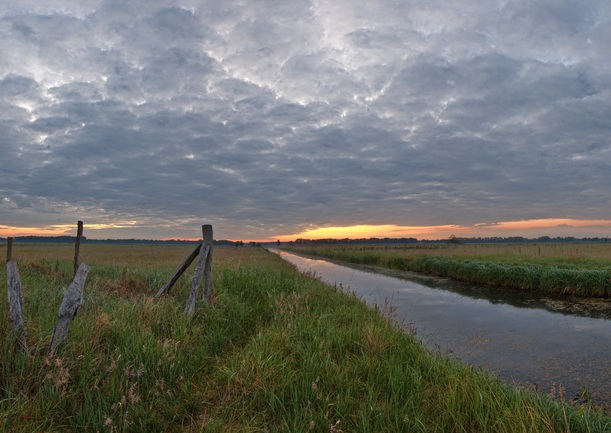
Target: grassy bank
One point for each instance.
(571, 269)
(276, 351)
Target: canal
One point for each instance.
(532, 340)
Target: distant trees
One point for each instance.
(454, 240)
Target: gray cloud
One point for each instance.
(271, 117)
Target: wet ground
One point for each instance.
(554, 344)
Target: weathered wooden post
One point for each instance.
(197, 278)
(77, 246)
(170, 283)
(73, 300)
(15, 302)
(9, 249)
(208, 240)
(202, 270)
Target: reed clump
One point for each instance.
(274, 351)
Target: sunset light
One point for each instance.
(553, 227)
(63, 229)
(59, 230)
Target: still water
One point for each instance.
(528, 339)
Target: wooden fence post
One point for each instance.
(170, 283)
(77, 246)
(208, 240)
(15, 301)
(9, 249)
(73, 300)
(197, 278)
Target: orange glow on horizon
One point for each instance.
(548, 223)
(525, 228)
(552, 227)
(371, 231)
(58, 229)
(54, 230)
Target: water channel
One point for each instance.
(527, 339)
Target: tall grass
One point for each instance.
(553, 269)
(275, 351)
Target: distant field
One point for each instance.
(275, 351)
(572, 254)
(582, 269)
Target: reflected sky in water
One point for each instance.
(527, 338)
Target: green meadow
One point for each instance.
(275, 351)
(563, 268)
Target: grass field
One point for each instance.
(275, 351)
(563, 268)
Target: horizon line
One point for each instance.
(533, 228)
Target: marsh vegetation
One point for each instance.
(569, 268)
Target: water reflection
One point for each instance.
(527, 338)
(574, 306)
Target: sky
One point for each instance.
(285, 119)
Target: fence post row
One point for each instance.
(72, 301)
(73, 298)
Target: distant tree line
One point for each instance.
(386, 241)
(356, 241)
(520, 239)
(45, 239)
(452, 240)
(72, 239)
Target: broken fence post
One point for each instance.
(15, 301)
(170, 283)
(73, 300)
(197, 278)
(77, 245)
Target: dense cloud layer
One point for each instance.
(266, 118)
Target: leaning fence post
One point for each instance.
(77, 245)
(15, 302)
(208, 240)
(197, 278)
(73, 300)
(170, 283)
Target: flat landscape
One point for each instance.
(275, 350)
(135, 128)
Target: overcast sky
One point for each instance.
(149, 118)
